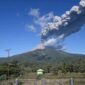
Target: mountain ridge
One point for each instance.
(43, 56)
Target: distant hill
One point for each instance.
(46, 56)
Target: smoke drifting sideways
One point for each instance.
(55, 31)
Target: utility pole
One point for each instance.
(8, 55)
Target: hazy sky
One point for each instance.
(16, 34)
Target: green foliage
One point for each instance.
(50, 60)
(9, 69)
(20, 83)
(3, 77)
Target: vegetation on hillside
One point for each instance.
(51, 61)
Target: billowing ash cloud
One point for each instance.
(55, 31)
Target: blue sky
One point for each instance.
(14, 18)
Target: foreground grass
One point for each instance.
(44, 82)
(50, 79)
(53, 76)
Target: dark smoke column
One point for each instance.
(61, 27)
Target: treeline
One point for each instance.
(55, 68)
(14, 68)
(9, 69)
(64, 68)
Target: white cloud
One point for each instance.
(54, 41)
(82, 3)
(34, 12)
(41, 21)
(31, 28)
(50, 42)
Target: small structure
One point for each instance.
(40, 73)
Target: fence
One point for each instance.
(71, 81)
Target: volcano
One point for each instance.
(45, 56)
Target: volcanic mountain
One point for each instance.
(45, 56)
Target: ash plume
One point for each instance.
(60, 27)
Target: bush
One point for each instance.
(20, 83)
(3, 77)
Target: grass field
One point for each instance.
(77, 81)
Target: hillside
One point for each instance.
(52, 61)
(46, 56)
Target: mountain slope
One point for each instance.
(44, 56)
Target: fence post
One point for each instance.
(43, 81)
(16, 81)
(71, 81)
